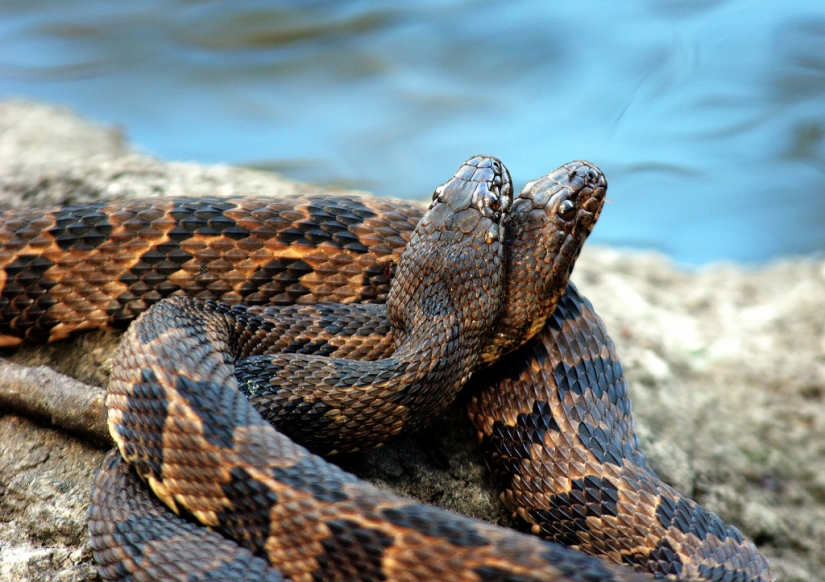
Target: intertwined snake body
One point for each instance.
(480, 276)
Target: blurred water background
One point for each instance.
(708, 116)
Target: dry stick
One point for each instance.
(43, 393)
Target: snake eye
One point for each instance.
(495, 202)
(567, 210)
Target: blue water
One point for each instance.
(707, 116)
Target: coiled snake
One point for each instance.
(480, 276)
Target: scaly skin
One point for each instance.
(72, 269)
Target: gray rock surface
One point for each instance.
(726, 367)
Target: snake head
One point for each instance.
(562, 207)
(480, 189)
(549, 221)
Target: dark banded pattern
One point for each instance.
(249, 262)
(101, 265)
(555, 424)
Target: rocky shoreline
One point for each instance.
(726, 367)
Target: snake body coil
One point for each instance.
(482, 273)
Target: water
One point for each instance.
(707, 116)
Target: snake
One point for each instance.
(345, 321)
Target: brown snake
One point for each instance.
(555, 419)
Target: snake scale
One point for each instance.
(279, 303)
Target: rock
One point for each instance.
(49, 156)
(45, 479)
(726, 367)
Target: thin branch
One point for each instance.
(43, 393)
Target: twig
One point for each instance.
(41, 392)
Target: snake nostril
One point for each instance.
(593, 178)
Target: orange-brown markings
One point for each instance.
(636, 524)
(563, 457)
(87, 287)
(358, 346)
(173, 552)
(14, 244)
(297, 524)
(692, 550)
